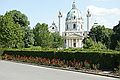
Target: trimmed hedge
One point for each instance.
(107, 60)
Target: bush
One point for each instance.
(106, 60)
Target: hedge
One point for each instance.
(107, 60)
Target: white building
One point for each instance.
(74, 33)
(53, 28)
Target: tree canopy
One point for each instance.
(101, 34)
(115, 38)
(14, 28)
(57, 40)
(11, 34)
(42, 35)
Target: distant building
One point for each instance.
(53, 28)
(74, 33)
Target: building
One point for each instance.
(53, 28)
(74, 33)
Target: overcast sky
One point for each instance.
(106, 12)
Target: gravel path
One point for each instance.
(18, 71)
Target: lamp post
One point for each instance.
(88, 16)
(59, 16)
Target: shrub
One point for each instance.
(106, 60)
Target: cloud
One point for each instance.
(103, 11)
(105, 16)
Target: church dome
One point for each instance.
(74, 13)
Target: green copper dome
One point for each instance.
(74, 13)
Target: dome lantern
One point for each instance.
(73, 5)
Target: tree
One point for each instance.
(57, 40)
(29, 37)
(118, 46)
(22, 20)
(115, 38)
(19, 18)
(11, 34)
(101, 34)
(90, 44)
(42, 35)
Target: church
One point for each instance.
(74, 32)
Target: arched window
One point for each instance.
(65, 34)
(65, 40)
(74, 17)
(74, 26)
(81, 26)
(67, 27)
(52, 27)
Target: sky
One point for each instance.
(105, 12)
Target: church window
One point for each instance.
(74, 26)
(65, 34)
(81, 26)
(67, 27)
(52, 27)
(65, 40)
(74, 17)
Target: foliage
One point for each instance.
(115, 39)
(90, 44)
(29, 37)
(23, 22)
(19, 18)
(42, 35)
(11, 34)
(99, 46)
(57, 40)
(101, 59)
(101, 34)
(15, 32)
(118, 46)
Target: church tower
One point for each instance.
(53, 28)
(73, 34)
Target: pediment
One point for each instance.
(74, 35)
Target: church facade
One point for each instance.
(74, 33)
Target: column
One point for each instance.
(72, 42)
(66, 43)
(80, 43)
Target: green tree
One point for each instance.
(57, 40)
(101, 34)
(19, 18)
(29, 37)
(118, 46)
(22, 20)
(99, 46)
(115, 38)
(88, 43)
(42, 35)
(11, 34)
